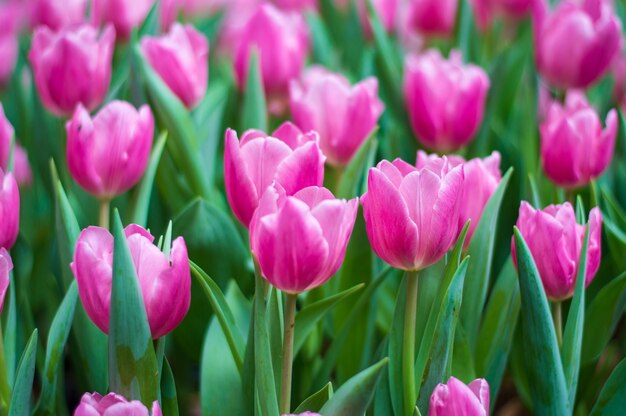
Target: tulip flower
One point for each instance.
(445, 99)
(433, 17)
(21, 166)
(456, 398)
(58, 14)
(387, 11)
(10, 209)
(9, 44)
(108, 154)
(123, 14)
(93, 404)
(618, 69)
(165, 283)
(288, 157)
(412, 215)
(343, 115)
(296, 5)
(574, 147)
(555, 241)
(304, 414)
(72, 66)
(576, 43)
(23, 174)
(482, 177)
(485, 10)
(6, 136)
(181, 58)
(6, 265)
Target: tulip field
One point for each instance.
(312, 207)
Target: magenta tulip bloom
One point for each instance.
(433, 17)
(9, 44)
(574, 147)
(72, 66)
(7, 134)
(576, 43)
(113, 404)
(181, 58)
(485, 10)
(107, 155)
(6, 265)
(165, 283)
(123, 14)
(482, 177)
(455, 398)
(291, 158)
(296, 5)
(342, 114)
(10, 209)
(555, 241)
(58, 14)
(412, 215)
(21, 168)
(300, 241)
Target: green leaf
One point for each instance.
(462, 363)
(321, 43)
(169, 400)
(356, 170)
(133, 370)
(392, 64)
(254, 107)
(141, 196)
(316, 401)
(543, 363)
(612, 399)
(356, 394)
(22, 390)
(396, 335)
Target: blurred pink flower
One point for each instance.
(455, 398)
(58, 14)
(113, 404)
(433, 17)
(6, 265)
(123, 14)
(10, 209)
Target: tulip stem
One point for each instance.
(290, 323)
(105, 204)
(558, 322)
(5, 389)
(408, 343)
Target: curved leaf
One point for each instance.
(612, 399)
(316, 401)
(22, 390)
(141, 197)
(254, 107)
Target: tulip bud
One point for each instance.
(288, 157)
(300, 241)
(10, 209)
(445, 99)
(165, 283)
(123, 14)
(387, 11)
(181, 58)
(107, 155)
(576, 43)
(343, 115)
(555, 241)
(574, 148)
(71, 67)
(93, 404)
(433, 17)
(6, 265)
(9, 44)
(456, 398)
(412, 215)
(58, 14)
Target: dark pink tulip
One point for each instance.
(455, 398)
(482, 177)
(485, 10)
(165, 283)
(6, 265)
(181, 58)
(72, 66)
(342, 114)
(9, 44)
(387, 11)
(107, 155)
(412, 215)
(300, 241)
(296, 5)
(57, 14)
(113, 404)
(288, 156)
(555, 241)
(445, 99)
(576, 43)
(123, 14)
(433, 17)
(10, 209)
(574, 147)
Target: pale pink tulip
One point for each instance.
(455, 398)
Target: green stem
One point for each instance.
(408, 343)
(105, 204)
(290, 323)
(558, 322)
(5, 389)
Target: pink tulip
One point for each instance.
(288, 156)
(21, 166)
(6, 265)
(123, 14)
(181, 58)
(113, 404)
(304, 414)
(22, 171)
(456, 398)
(555, 241)
(387, 11)
(618, 68)
(342, 114)
(10, 209)
(107, 155)
(482, 177)
(445, 99)
(165, 283)
(574, 148)
(576, 43)
(282, 42)
(412, 215)
(9, 43)
(58, 14)
(300, 241)
(72, 66)
(296, 5)
(433, 17)
(485, 10)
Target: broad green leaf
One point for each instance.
(392, 63)
(396, 335)
(580, 210)
(150, 24)
(612, 399)
(314, 402)
(141, 196)
(169, 400)
(356, 171)
(461, 363)
(9, 343)
(320, 40)
(254, 107)
(23, 388)
(275, 329)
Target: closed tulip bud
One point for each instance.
(9, 44)
(107, 155)
(482, 177)
(300, 241)
(181, 58)
(387, 11)
(165, 283)
(445, 99)
(288, 156)
(72, 66)
(456, 398)
(343, 115)
(574, 147)
(412, 215)
(10, 209)
(6, 265)
(555, 241)
(123, 14)
(433, 17)
(576, 43)
(57, 14)
(93, 404)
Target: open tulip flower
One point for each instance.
(57, 14)
(455, 398)
(94, 404)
